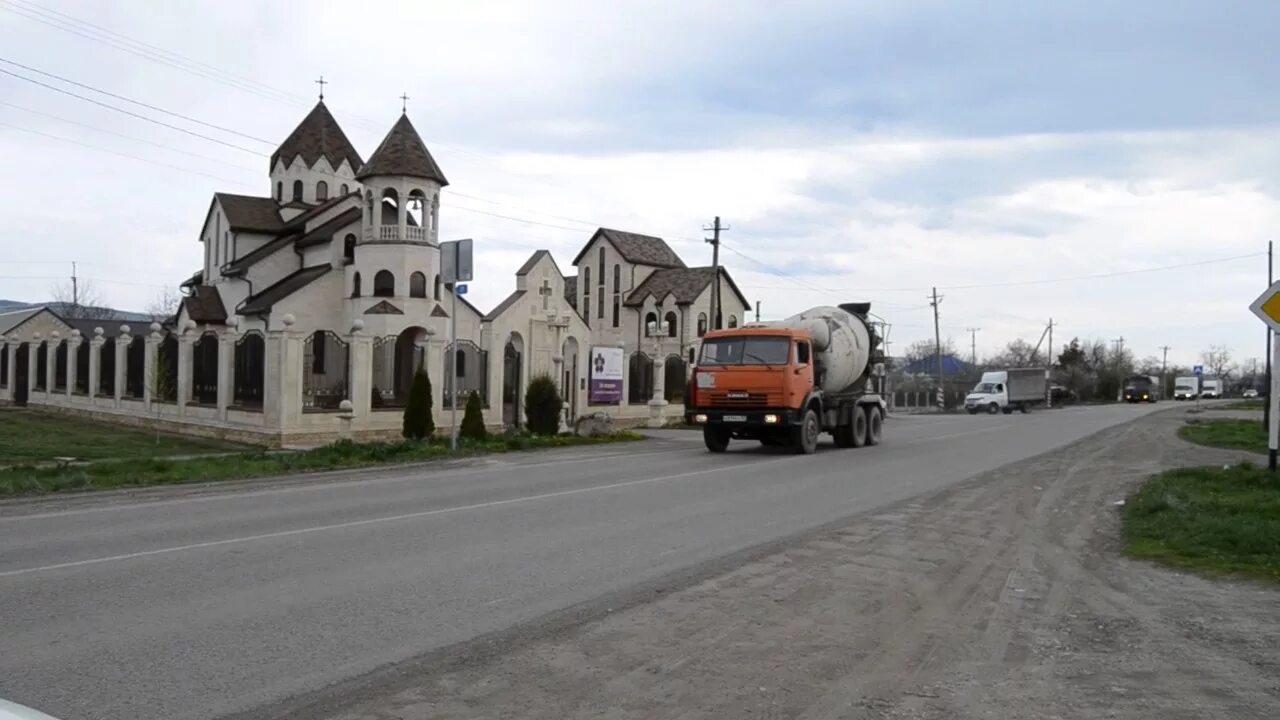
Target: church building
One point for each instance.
(316, 304)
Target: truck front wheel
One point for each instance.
(993, 408)
(717, 439)
(806, 435)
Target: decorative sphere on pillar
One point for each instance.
(357, 325)
(189, 324)
(125, 329)
(345, 406)
(75, 334)
(97, 332)
(232, 323)
(155, 327)
(55, 334)
(288, 319)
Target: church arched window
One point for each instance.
(297, 190)
(671, 324)
(322, 191)
(349, 247)
(418, 285)
(279, 191)
(650, 322)
(355, 285)
(384, 284)
(437, 287)
(702, 324)
(733, 321)
(344, 189)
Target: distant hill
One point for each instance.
(63, 308)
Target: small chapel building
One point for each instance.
(315, 306)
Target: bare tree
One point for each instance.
(80, 300)
(1217, 360)
(1017, 354)
(164, 305)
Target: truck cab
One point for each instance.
(1186, 388)
(765, 383)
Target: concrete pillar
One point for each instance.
(149, 359)
(186, 340)
(433, 356)
(11, 376)
(73, 361)
(51, 364)
(361, 372)
(226, 368)
(32, 352)
(121, 349)
(273, 390)
(95, 364)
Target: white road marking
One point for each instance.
(376, 521)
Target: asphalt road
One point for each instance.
(203, 603)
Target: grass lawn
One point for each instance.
(27, 436)
(1241, 405)
(161, 471)
(1213, 520)
(1233, 434)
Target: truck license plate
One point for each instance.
(735, 418)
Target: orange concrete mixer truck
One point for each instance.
(786, 383)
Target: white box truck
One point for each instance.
(1211, 388)
(1186, 388)
(1008, 390)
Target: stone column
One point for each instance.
(73, 361)
(95, 364)
(273, 380)
(121, 349)
(32, 365)
(284, 377)
(186, 339)
(11, 378)
(149, 358)
(226, 367)
(433, 356)
(361, 371)
(51, 364)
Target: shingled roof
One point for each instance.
(571, 291)
(265, 300)
(686, 284)
(317, 136)
(402, 152)
(246, 213)
(324, 233)
(636, 249)
(204, 305)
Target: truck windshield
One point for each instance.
(745, 351)
(985, 388)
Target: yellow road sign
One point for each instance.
(1267, 307)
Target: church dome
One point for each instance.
(317, 136)
(403, 153)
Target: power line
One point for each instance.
(120, 154)
(127, 112)
(127, 137)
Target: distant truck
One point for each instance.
(1210, 388)
(1186, 388)
(784, 384)
(1007, 390)
(1141, 388)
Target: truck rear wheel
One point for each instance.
(716, 439)
(859, 427)
(806, 435)
(875, 426)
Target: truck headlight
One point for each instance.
(771, 419)
(700, 419)
(1144, 397)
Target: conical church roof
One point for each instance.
(317, 136)
(402, 152)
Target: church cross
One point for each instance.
(545, 292)
(404, 103)
(321, 82)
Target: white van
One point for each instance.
(1007, 390)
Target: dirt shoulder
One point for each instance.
(1006, 597)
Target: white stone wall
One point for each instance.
(322, 171)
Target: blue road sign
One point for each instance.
(462, 288)
(1197, 369)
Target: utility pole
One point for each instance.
(1048, 390)
(1164, 368)
(714, 241)
(1266, 407)
(973, 345)
(937, 340)
(75, 286)
(757, 311)
(1119, 345)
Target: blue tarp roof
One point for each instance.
(951, 365)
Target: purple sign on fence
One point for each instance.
(606, 376)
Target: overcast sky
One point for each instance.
(858, 150)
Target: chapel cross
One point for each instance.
(545, 292)
(404, 103)
(321, 82)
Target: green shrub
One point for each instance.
(473, 420)
(542, 405)
(418, 422)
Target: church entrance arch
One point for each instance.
(411, 350)
(512, 380)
